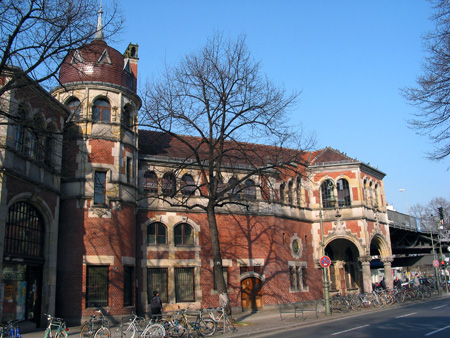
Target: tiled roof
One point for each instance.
(153, 143)
(96, 62)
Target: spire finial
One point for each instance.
(99, 32)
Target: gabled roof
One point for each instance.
(330, 155)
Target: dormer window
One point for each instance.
(104, 58)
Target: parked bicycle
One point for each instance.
(223, 321)
(96, 328)
(10, 329)
(135, 325)
(56, 324)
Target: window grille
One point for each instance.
(97, 286)
(157, 281)
(327, 189)
(151, 182)
(156, 233)
(24, 232)
(184, 285)
(343, 192)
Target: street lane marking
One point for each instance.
(438, 307)
(409, 314)
(439, 330)
(355, 328)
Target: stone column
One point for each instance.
(387, 261)
(366, 276)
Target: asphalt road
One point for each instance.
(428, 319)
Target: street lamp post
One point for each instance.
(406, 202)
(326, 283)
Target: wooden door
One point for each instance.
(251, 294)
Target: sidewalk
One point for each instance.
(265, 321)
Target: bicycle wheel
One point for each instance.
(125, 330)
(230, 326)
(102, 332)
(62, 334)
(177, 330)
(207, 326)
(86, 331)
(154, 331)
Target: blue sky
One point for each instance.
(349, 59)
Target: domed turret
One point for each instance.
(98, 62)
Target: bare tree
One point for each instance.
(36, 35)
(432, 94)
(219, 97)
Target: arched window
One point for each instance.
(74, 105)
(343, 192)
(187, 185)
(183, 234)
(249, 192)
(150, 182)
(49, 144)
(376, 196)
(366, 196)
(101, 111)
(290, 196)
(328, 198)
(282, 192)
(19, 138)
(168, 184)
(24, 233)
(233, 188)
(156, 233)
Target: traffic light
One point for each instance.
(442, 264)
(441, 213)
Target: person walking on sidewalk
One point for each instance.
(156, 306)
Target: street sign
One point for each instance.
(325, 262)
(436, 263)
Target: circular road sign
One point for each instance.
(436, 263)
(325, 261)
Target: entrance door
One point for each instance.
(251, 294)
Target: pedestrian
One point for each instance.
(397, 282)
(156, 306)
(383, 283)
(416, 280)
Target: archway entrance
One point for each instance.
(251, 294)
(345, 268)
(23, 263)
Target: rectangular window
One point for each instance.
(184, 285)
(129, 170)
(157, 281)
(97, 286)
(128, 286)
(99, 187)
(19, 139)
(225, 276)
(48, 150)
(297, 278)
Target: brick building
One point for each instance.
(102, 238)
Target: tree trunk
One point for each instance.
(221, 284)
